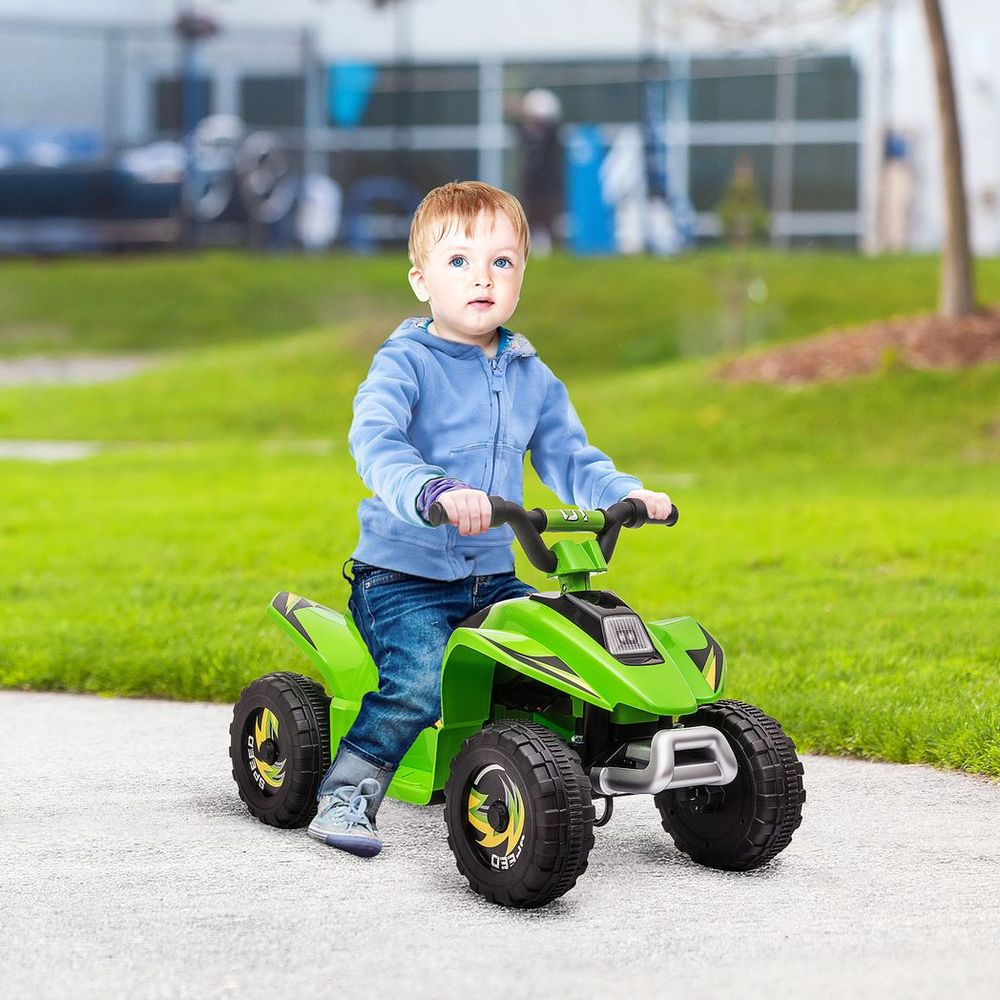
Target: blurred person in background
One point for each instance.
(542, 169)
(899, 188)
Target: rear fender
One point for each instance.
(331, 640)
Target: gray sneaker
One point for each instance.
(341, 820)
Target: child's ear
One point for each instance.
(418, 284)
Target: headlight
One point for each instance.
(625, 635)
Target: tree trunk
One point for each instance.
(958, 296)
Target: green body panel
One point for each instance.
(594, 675)
(519, 636)
(574, 519)
(575, 561)
(625, 715)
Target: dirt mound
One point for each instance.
(912, 342)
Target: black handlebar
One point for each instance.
(638, 515)
(528, 526)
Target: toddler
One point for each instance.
(449, 408)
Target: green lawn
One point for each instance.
(841, 540)
(588, 314)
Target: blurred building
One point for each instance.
(837, 116)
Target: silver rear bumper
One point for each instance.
(712, 763)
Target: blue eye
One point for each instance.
(503, 262)
(456, 261)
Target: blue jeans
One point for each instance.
(406, 622)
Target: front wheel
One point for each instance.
(519, 814)
(744, 824)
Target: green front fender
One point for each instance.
(695, 653)
(537, 641)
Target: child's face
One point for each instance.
(472, 282)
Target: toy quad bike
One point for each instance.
(547, 701)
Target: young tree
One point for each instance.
(957, 295)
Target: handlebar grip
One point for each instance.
(671, 518)
(437, 515)
(504, 512)
(526, 524)
(632, 513)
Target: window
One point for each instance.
(422, 169)
(598, 91)
(733, 90)
(826, 88)
(168, 106)
(272, 101)
(825, 178)
(424, 95)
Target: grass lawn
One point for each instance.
(841, 541)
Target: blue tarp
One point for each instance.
(349, 85)
(591, 218)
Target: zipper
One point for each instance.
(496, 379)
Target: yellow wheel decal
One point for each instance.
(266, 728)
(514, 804)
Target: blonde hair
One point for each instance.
(461, 202)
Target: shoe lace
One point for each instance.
(351, 802)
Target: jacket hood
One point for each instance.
(415, 328)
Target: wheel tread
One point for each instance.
(777, 777)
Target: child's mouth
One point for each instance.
(481, 303)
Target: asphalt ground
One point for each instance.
(131, 869)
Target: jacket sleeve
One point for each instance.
(573, 469)
(387, 461)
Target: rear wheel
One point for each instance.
(279, 744)
(744, 824)
(519, 814)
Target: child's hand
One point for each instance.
(469, 510)
(658, 504)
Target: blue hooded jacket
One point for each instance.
(431, 407)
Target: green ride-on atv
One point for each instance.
(548, 701)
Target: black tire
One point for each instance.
(744, 824)
(542, 859)
(279, 744)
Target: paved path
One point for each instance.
(70, 370)
(130, 869)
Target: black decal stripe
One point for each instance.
(280, 602)
(702, 656)
(543, 664)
